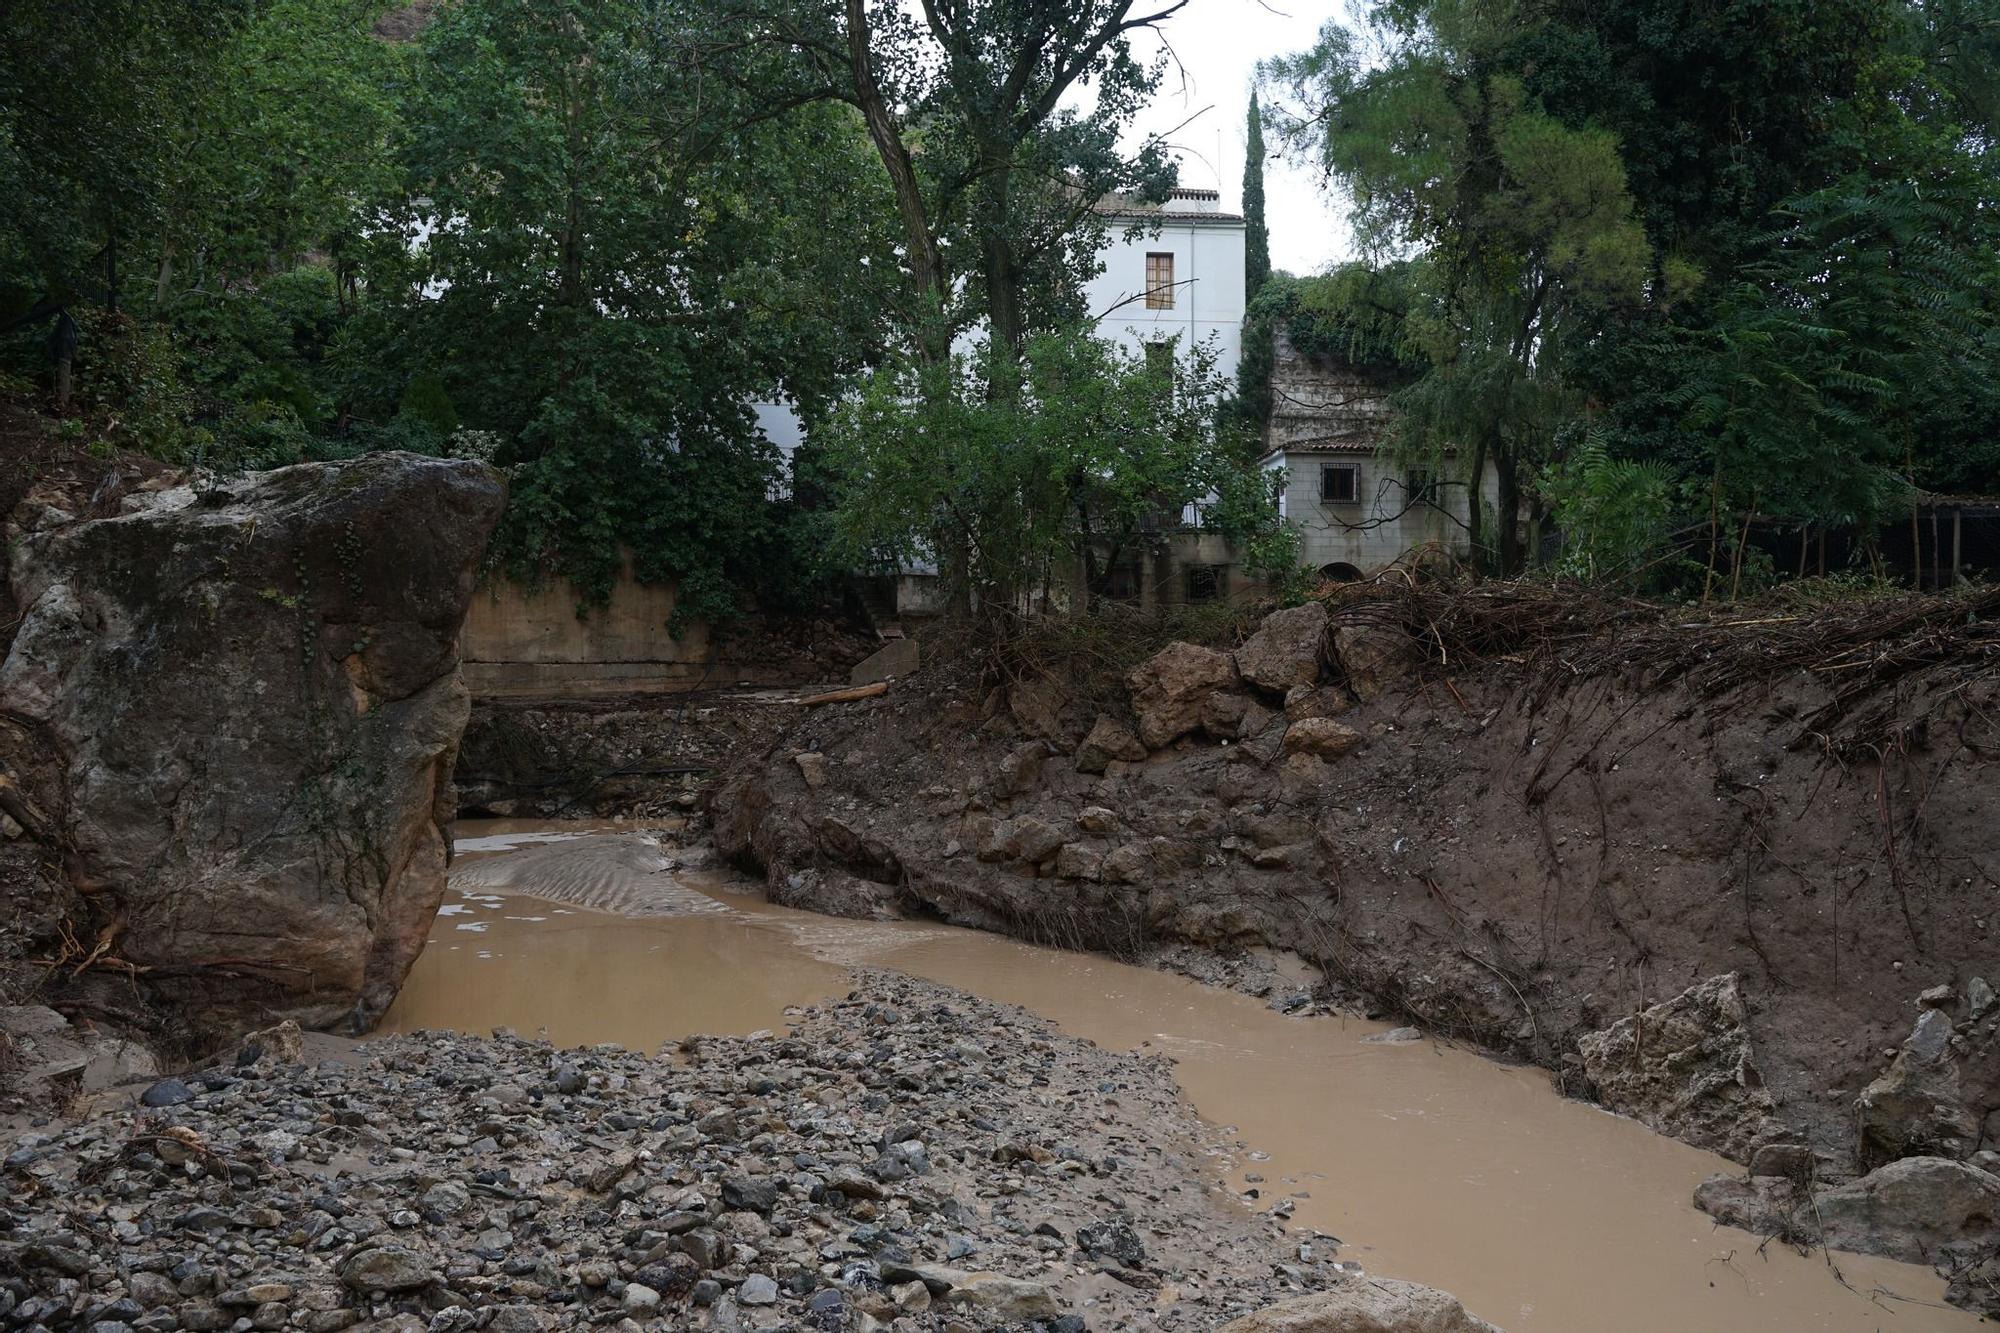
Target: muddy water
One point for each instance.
(1544, 1215)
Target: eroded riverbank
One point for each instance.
(1429, 1163)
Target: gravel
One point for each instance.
(907, 1158)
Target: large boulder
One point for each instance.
(1915, 1109)
(1685, 1068)
(1912, 1209)
(256, 693)
(1374, 658)
(1172, 691)
(1110, 741)
(1366, 1305)
(1285, 650)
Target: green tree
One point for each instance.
(91, 100)
(996, 174)
(1256, 232)
(1743, 240)
(1076, 467)
(1524, 224)
(613, 258)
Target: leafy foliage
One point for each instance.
(1087, 458)
(1749, 245)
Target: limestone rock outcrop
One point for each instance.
(1915, 1108)
(1685, 1068)
(1366, 1305)
(256, 695)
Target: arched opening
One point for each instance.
(1340, 573)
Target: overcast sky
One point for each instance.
(1219, 43)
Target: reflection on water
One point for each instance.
(1543, 1215)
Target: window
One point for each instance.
(1422, 488)
(1206, 583)
(1121, 582)
(1159, 281)
(1340, 484)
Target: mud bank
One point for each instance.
(1705, 873)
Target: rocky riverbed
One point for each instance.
(907, 1157)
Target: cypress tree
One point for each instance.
(1256, 235)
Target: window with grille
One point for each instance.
(1207, 583)
(1340, 484)
(1159, 281)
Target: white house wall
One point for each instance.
(1208, 287)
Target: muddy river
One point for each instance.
(1429, 1163)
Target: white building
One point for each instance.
(1180, 276)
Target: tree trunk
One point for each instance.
(926, 259)
(62, 350)
(1506, 511)
(164, 282)
(1005, 316)
(1475, 518)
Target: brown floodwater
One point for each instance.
(1430, 1163)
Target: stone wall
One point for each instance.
(541, 642)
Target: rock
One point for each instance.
(1320, 736)
(1978, 997)
(1764, 1205)
(275, 1047)
(1171, 690)
(1915, 1109)
(812, 767)
(1366, 1305)
(1374, 657)
(1303, 701)
(1938, 997)
(256, 694)
(757, 1289)
(1037, 703)
(1685, 1068)
(167, 1092)
(1113, 1239)
(1109, 741)
(1285, 650)
(911, 1297)
(1396, 1037)
(1911, 1208)
(390, 1268)
(640, 1300)
(1097, 819)
(1021, 770)
(1076, 861)
(1025, 839)
(749, 1194)
(1129, 864)
(1793, 1161)
(1007, 1297)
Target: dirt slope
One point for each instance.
(1550, 817)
